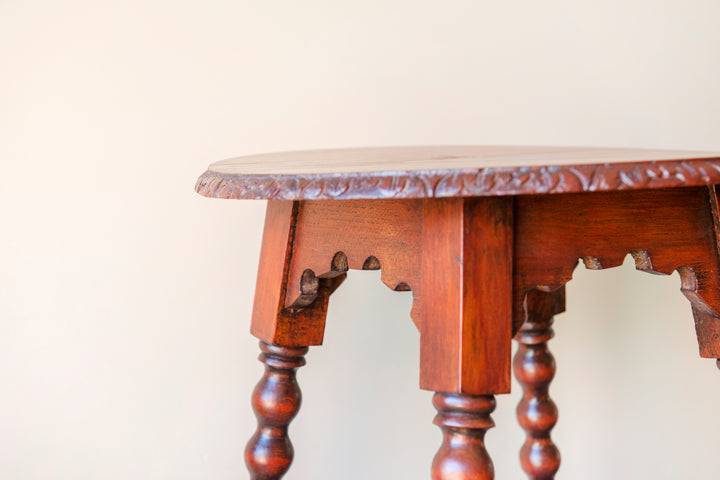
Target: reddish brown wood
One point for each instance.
(463, 419)
(453, 171)
(275, 253)
(664, 230)
(465, 259)
(307, 248)
(383, 234)
(480, 269)
(534, 367)
(276, 400)
(465, 321)
(600, 228)
(272, 321)
(465, 326)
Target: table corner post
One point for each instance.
(466, 324)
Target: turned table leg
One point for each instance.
(458, 251)
(276, 401)
(463, 419)
(534, 367)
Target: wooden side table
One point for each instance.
(486, 238)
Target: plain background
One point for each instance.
(125, 297)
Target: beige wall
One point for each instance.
(125, 297)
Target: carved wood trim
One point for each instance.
(317, 242)
(458, 249)
(272, 322)
(308, 248)
(664, 230)
(462, 183)
(332, 237)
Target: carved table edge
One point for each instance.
(462, 183)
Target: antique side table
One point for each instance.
(486, 238)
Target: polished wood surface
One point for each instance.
(664, 230)
(484, 263)
(451, 171)
(275, 400)
(389, 159)
(534, 367)
(463, 419)
(307, 248)
(467, 295)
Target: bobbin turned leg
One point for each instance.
(285, 334)
(534, 367)
(275, 400)
(466, 326)
(463, 419)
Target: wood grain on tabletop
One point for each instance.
(481, 269)
(448, 171)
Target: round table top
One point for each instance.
(453, 171)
